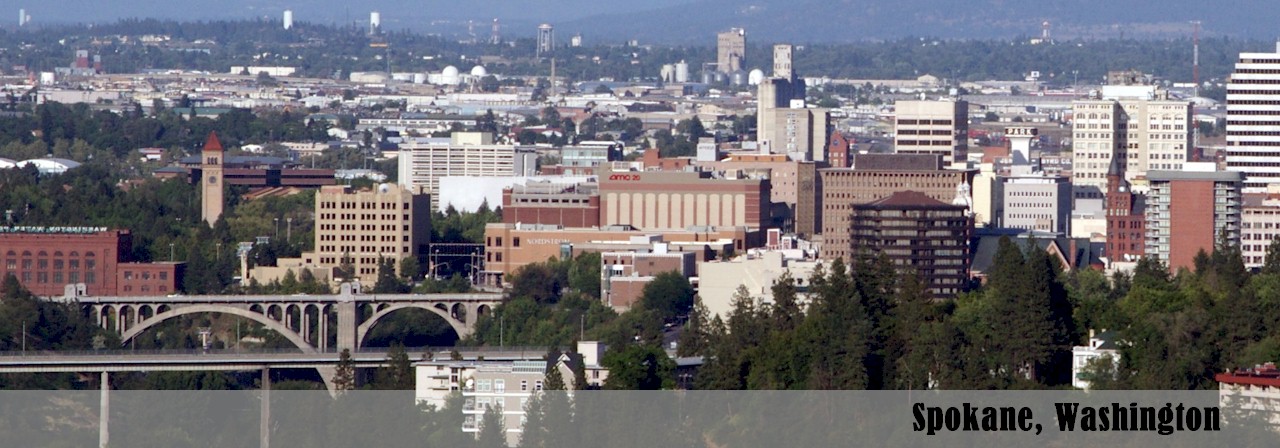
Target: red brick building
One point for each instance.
(839, 149)
(572, 205)
(47, 259)
(1126, 224)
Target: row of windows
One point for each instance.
(1231, 102)
(42, 264)
(145, 275)
(362, 205)
(946, 132)
(926, 142)
(931, 122)
(362, 249)
(42, 277)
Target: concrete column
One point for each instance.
(104, 408)
(264, 421)
(305, 329)
(324, 329)
(348, 321)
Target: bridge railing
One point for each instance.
(415, 353)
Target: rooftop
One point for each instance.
(908, 199)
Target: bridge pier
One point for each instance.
(264, 419)
(104, 409)
(348, 320)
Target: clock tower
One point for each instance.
(211, 179)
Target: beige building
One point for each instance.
(788, 179)
(876, 176)
(508, 247)
(933, 127)
(1138, 125)
(731, 50)
(718, 281)
(468, 154)
(654, 200)
(800, 133)
(389, 221)
(1260, 226)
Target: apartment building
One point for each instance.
(1188, 211)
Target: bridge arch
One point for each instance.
(459, 328)
(278, 327)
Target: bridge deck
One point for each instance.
(298, 298)
(228, 360)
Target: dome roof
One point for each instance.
(450, 71)
(479, 71)
(755, 77)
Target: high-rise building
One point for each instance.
(211, 186)
(546, 39)
(1253, 119)
(288, 19)
(1137, 124)
(1188, 211)
(360, 229)
(423, 164)
(731, 50)
(920, 233)
(22, 17)
(782, 55)
(933, 127)
(1036, 202)
(375, 22)
(840, 189)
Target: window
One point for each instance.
(515, 242)
(537, 385)
(484, 386)
(500, 386)
(524, 385)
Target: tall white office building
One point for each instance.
(288, 19)
(1253, 119)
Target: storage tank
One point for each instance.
(668, 73)
(720, 78)
(708, 78)
(419, 78)
(755, 77)
(682, 71)
(449, 76)
(738, 78)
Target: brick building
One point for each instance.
(1188, 211)
(1126, 223)
(876, 176)
(48, 259)
(917, 232)
(568, 205)
(625, 274)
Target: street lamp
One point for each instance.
(288, 230)
(276, 222)
(170, 251)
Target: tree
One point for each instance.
(388, 282)
(410, 269)
(639, 367)
(554, 379)
(695, 337)
(493, 432)
(399, 373)
(1272, 263)
(669, 295)
(344, 376)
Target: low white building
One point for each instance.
(1102, 344)
(758, 271)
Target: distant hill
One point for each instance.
(695, 21)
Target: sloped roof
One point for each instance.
(212, 143)
(906, 198)
(985, 247)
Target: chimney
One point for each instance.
(1071, 254)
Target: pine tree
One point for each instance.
(908, 346)
(399, 372)
(493, 432)
(554, 379)
(344, 377)
(693, 340)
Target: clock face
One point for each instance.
(213, 180)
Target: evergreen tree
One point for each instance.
(1272, 263)
(694, 339)
(388, 282)
(909, 347)
(399, 372)
(493, 431)
(344, 377)
(554, 379)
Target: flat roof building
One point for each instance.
(933, 127)
(1188, 211)
(679, 200)
(423, 164)
(92, 260)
